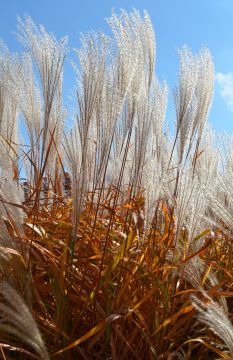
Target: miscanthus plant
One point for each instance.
(116, 235)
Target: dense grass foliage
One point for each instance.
(116, 235)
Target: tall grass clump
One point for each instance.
(116, 235)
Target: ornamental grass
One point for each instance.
(116, 233)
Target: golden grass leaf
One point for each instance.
(99, 327)
(183, 311)
(211, 347)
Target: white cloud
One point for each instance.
(226, 84)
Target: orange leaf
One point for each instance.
(185, 310)
(90, 333)
(211, 347)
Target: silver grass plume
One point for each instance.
(143, 122)
(190, 210)
(185, 101)
(48, 54)
(214, 316)
(17, 321)
(73, 156)
(193, 272)
(152, 181)
(11, 196)
(190, 204)
(110, 80)
(154, 173)
(221, 202)
(92, 86)
(158, 135)
(135, 64)
(192, 98)
(32, 110)
(207, 167)
(194, 188)
(207, 161)
(14, 253)
(204, 88)
(136, 49)
(10, 70)
(98, 113)
(192, 105)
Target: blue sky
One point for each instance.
(195, 23)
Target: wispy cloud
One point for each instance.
(226, 84)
